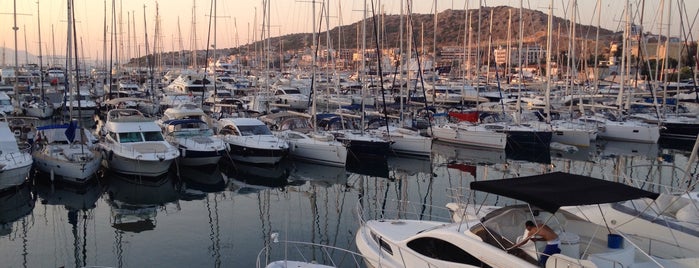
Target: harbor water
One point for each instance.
(231, 214)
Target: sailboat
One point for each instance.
(60, 154)
(38, 106)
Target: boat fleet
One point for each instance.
(201, 116)
(199, 119)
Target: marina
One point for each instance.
(505, 137)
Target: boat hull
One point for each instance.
(528, 139)
(680, 130)
(257, 155)
(132, 166)
(14, 176)
(190, 157)
(486, 139)
(73, 172)
(633, 133)
(333, 154)
(572, 137)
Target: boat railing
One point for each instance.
(298, 248)
(401, 209)
(18, 157)
(679, 175)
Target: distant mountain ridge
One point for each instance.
(450, 32)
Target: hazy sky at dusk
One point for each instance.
(288, 16)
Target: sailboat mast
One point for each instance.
(622, 70)
(599, 18)
(548, 65)
(400, 62)
(363, 65)
(41, 62)
(16, 68)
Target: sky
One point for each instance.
(236, 19)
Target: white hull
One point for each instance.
(487, 139)
(14, 177)
(631, 132)
(75, 172)
(571, 137)
(407, 144)
(39, 112)
(334, 154)
(132, 166)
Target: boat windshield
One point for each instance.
(254, 130)
(127, 137)
(153, 136)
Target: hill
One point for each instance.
(449, 32)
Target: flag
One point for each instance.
(70, 131)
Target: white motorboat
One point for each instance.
(291, 98)
(490, 240)
(144, 105)
(15, 162)
(67, 152)
(189, 82)
(466, 133)
(251, 141)
(187, 127)
(133, 144)
(196, 141)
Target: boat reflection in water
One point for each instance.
(677, 144)
(198, 181)
(317, 174)
(134, 201)
(246, 178)
(530, 154)
(403, 166)
(15, 204)
(368, 165)
(73, 197)
(583, 154)
(79, 202)
(472, 155)
(612, 149)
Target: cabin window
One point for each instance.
(442, 250)
(254, 130)
(153, 136)
(382, 243)
(130, 137)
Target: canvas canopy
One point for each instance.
(554, 190)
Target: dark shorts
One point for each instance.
(548, 251)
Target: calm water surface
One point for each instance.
(224, 216)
